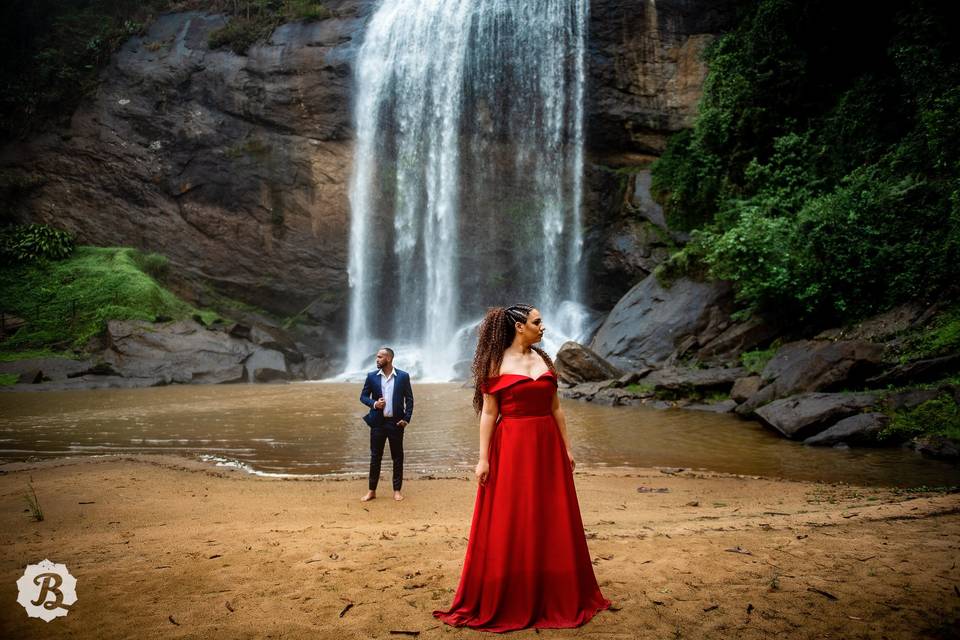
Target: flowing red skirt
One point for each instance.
(527, 562)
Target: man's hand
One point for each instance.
(402, 423)
(380, 404)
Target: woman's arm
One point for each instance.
(562, 425)
(488, 418)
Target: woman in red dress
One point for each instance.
(527, 563)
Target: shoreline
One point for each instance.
(220, 466)
(165, 546)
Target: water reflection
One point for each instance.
(315, 428)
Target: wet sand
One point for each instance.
(166, 547)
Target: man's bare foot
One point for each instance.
(397, 496)
(370, 496)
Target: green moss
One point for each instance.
(67, 302)
(11, 356)
(639, 387)
(940, 416)
(307, 10)
(8, 379)
(755, 361)
(941, 336)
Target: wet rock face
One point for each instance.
(645, 69)
(654, 326)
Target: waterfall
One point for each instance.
(466, 187)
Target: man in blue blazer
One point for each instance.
(388, 393)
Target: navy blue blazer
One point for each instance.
(402, 397)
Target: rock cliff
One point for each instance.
(236, 166)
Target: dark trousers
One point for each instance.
(378, 437)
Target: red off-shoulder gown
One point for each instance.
(527, 563)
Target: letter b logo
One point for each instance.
(46, 590)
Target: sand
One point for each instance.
(166, 547)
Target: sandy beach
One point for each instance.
(166, 547)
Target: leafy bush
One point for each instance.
(33, 242)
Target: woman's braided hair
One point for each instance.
(495, 334)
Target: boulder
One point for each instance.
(937, 446)
(647, 325)
(225, 375)
(745, 387)
(268, 337)
(814, 365)
(724, 406)
(32, 376)
(801, 416)
(633, 377)
(270, 375)
(686, 380)
(883, 326)
(820, 365)
(182, 351)
(265, 365)
(90, 381)
(917, 371)
(576, 363)
(910, 398)
(586, 390)
(860, 428)
(736, 339)
(52, 368)
(616, 397)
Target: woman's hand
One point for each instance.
(482, 471)
(573, 463)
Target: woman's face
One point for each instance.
(531, 332)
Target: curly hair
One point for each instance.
(495, 334)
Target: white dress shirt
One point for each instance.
(386, 385)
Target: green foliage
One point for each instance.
(8, 379)
(822, 176)
(755, 361)
(940, 337)
(639, 387)
(940, 416)
(25, 243)
(67, 302)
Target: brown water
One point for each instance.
(315, 428)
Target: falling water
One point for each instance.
(467, 180)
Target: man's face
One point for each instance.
(383, 359)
